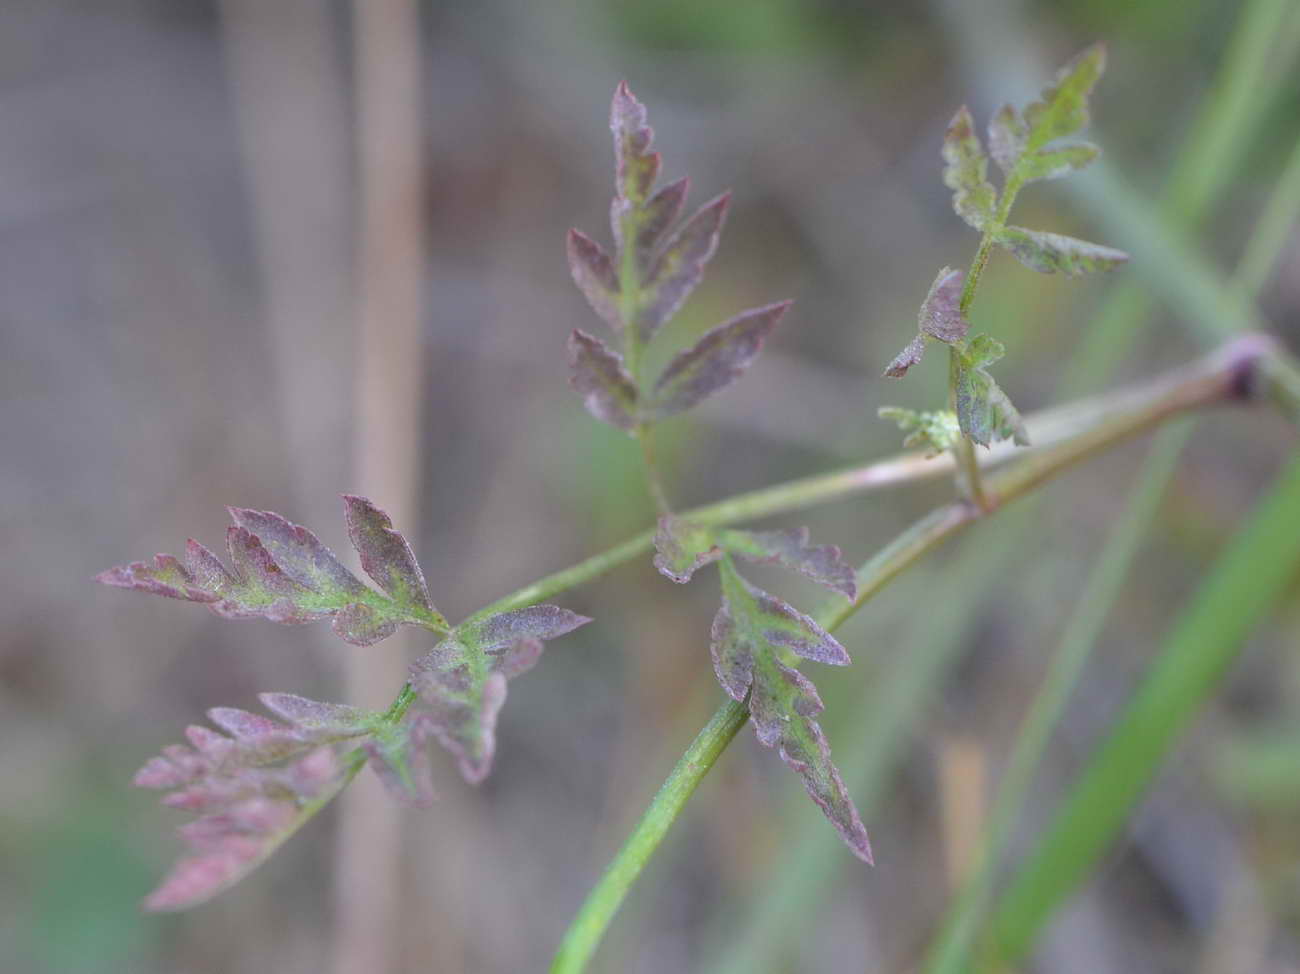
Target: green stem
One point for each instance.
(585, 933)
(1215, 379)
(645, 438)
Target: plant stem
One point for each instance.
(1217, 378)
(645, 437)
(589, 926)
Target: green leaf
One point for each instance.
(984, 412)
(965, 171)
(1063, 109)
(1055, 163)
(937, 432)
(1007, 135)
(754, 634)
(682, 548)
(1050, 253)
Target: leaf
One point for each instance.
(655, 220)
(596, 277)
(1007, 135)
(715, 361)
(984, 412)
(252, 789)
(965, 171)
(399, 756)
(936, 431)
(824, 564)
(679, 266)
(905, 359)
(1063, 109)
(1055, 163)
(385, 554)
(463, 679)
(1050, 253)
(637, 167)
(940, 316)
(280, 571)
(682, 548)
(752, 632)
(599, 376)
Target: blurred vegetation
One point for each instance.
(167, 346)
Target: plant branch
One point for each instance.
(1228, 375)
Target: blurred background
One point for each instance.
(261, 254)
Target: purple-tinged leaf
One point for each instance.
(238, 837)
(299, 554)
(940, 316)
(659, 214)
(281, 572)
(385, 554)
(965, 171)
(1051, 253)
(782, 701)
(678, 266)
(463, 705)
(534, 622)
(682, 548)
(905, 359)
(597, 373)
(596, 277)
(715, 361)
(789, 548)
(637, 166)
(1007, 136)
(315, 719)
(462, 680)
(1063, 109)
(399, 756)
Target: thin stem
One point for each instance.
(645, 437)
(1215, 379)
(585, 933)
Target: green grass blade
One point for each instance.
(1240, 588)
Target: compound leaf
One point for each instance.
(281, 571)
(715, 361)
(252, 787)
(755, 636)
(937, 432)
